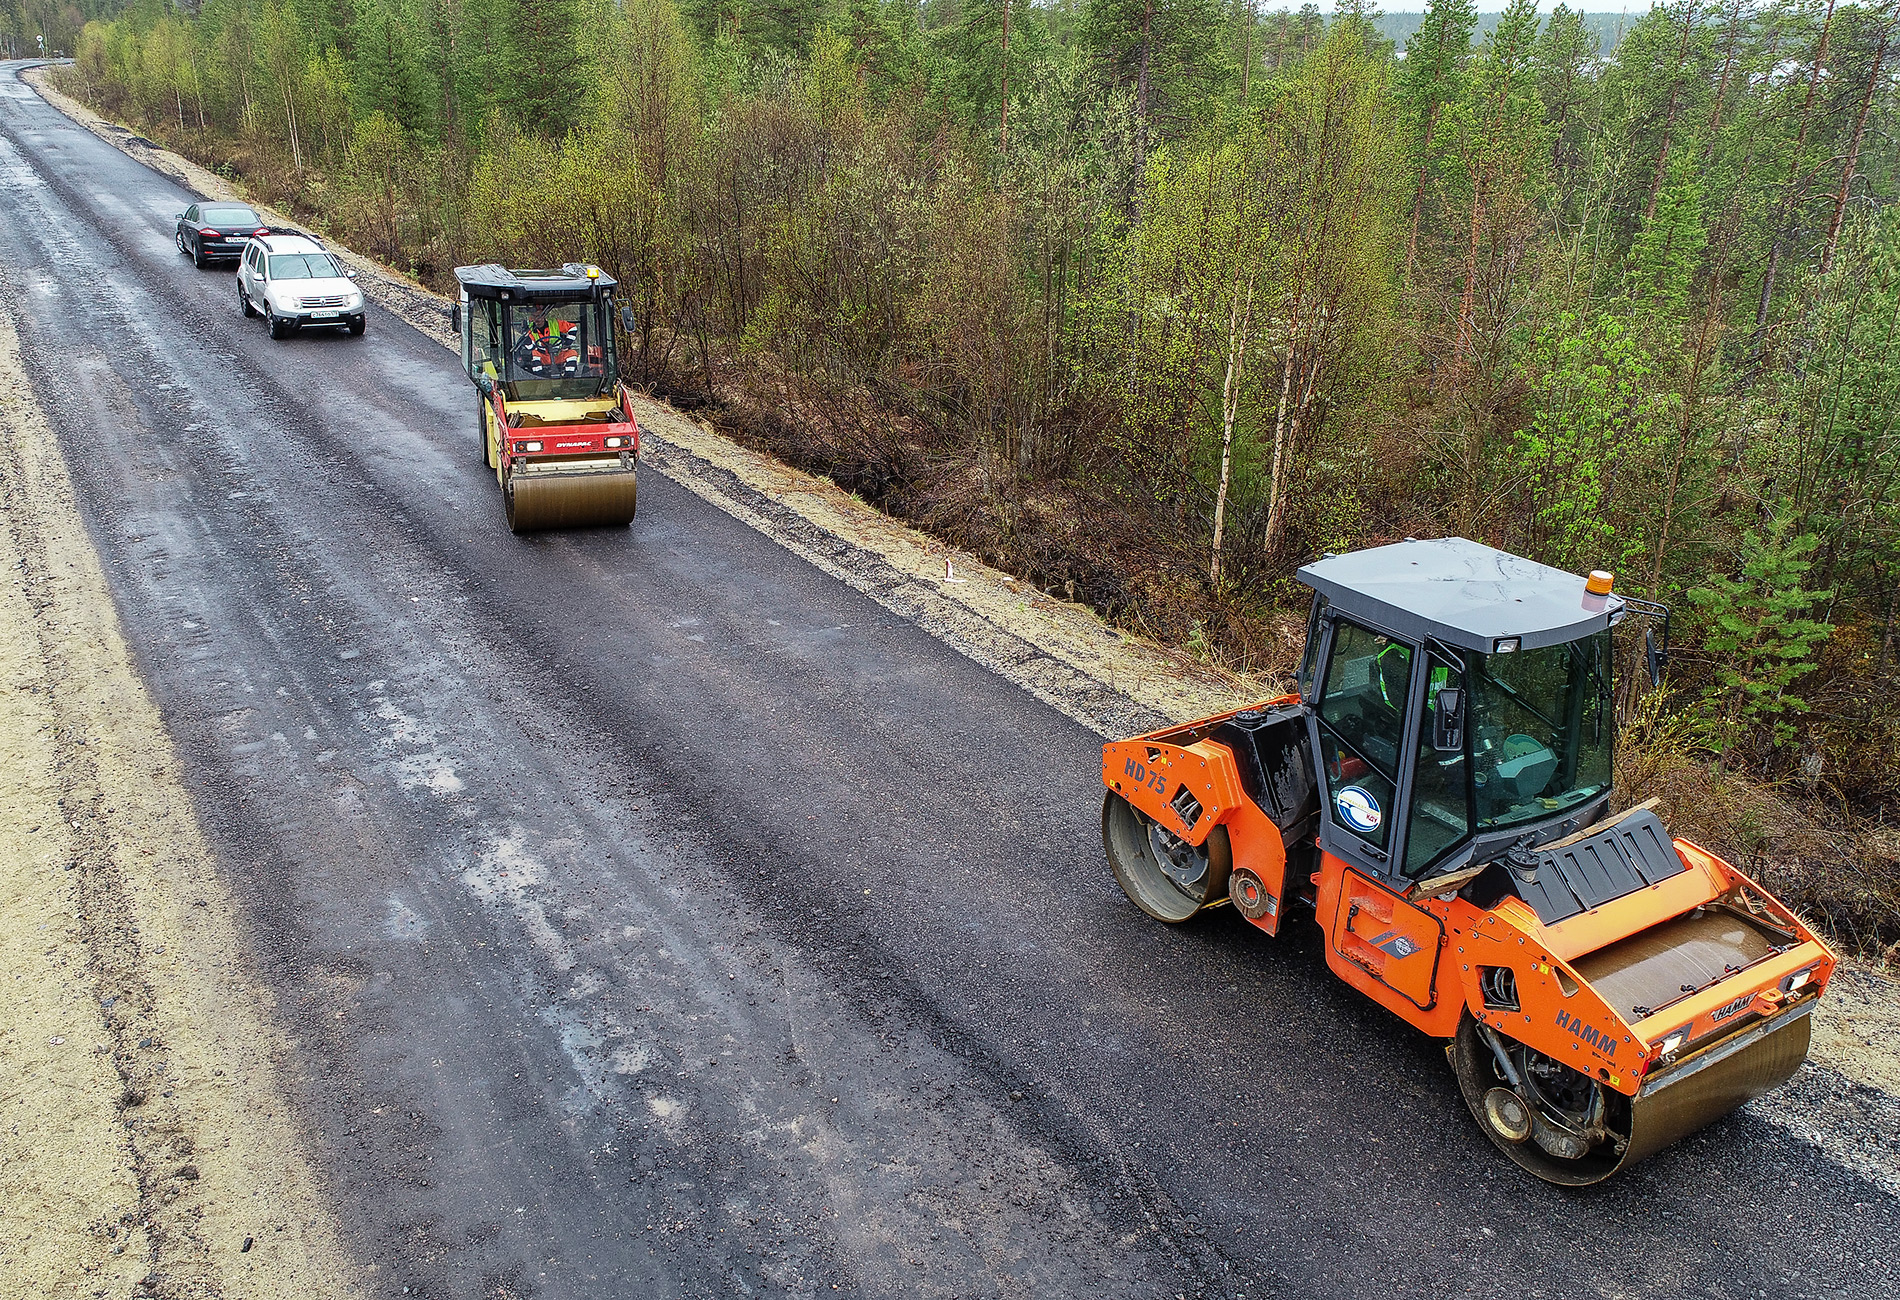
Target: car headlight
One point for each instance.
(1673, 1043)
(527, 446)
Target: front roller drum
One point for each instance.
(543, 501)
(1161, 873)
(1571, 1130)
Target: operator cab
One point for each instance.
(540, 335)
(1458, 704)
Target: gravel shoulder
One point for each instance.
(144, 1145)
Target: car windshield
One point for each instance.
(303, 266)
(230, 217)
(1542, 731)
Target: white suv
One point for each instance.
(291, 282)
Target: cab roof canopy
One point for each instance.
(569, 283)
(1463, 593)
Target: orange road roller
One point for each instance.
(1437, 798)
(555, 422)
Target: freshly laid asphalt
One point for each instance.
(651, 914)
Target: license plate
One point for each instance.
(323, 315)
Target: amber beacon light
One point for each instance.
(1600, 582)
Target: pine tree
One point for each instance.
(1667, 251)
(1170, 56)
(885, 45)
(387, 72)
(546, 95)
(1500, 146)
(989, 56)
(1761, 638)
(1567, 54)
(1432, 77)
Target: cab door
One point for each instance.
(1360, 739)
(1365, 732)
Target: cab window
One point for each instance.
(1309, 661)
(1441, 814)
(1362, 724)
(484, 337)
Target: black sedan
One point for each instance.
(212, 232)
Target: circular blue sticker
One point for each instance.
(1358, 809)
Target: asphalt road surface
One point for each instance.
(654, 915)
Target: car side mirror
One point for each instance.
(455, 319)
(1655, 658)
(1448, 721)
(626, 318)
(350, 274)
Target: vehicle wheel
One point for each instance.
(1162, 874)
(244, 301)
(198, 255)
(359, 324)
(277, 325)
(179, 239)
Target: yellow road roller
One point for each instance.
(555, 422)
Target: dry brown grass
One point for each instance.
(1798, 839)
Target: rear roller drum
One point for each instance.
(1161, 873)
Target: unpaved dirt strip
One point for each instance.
(144, 1150)
(1846, 1099)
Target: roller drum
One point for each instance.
(1706, 1087)
(592, 500)
(1672, 1103)
(1163, 875)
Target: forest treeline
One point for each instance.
(31, 28)
(1154, 300)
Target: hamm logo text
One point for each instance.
(1588, 1034)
